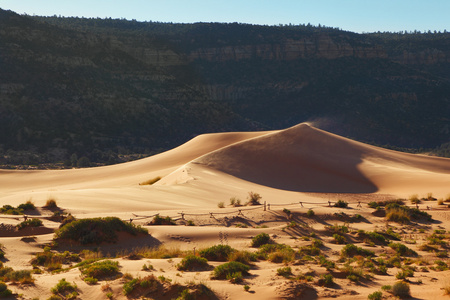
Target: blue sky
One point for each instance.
(352, 15)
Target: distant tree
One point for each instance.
(83, 162)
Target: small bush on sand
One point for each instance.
(253, 198)
(158, 220)
(261, 239)
(51, 204)
(4, 291)
(401, 289)
(398, 215)
(101, 269)
(341, 204)
(310, 213)
(402, 250)
(217, 252)
(244, 257)
(221, 204)
(285, 272)
(97, 230)
(27, 206)
(414, 199)
(65, 290)
(192, 262)
(339, 239)
(222, 271)
(351, 250)
(29, 223)
(327, 279)
(375, 296)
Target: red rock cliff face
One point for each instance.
(322, 46)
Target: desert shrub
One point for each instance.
(53, 261)
(222, 271)
(244, 257)
(328, 279)
(29, 223)
(337, 228)
(375, 296)
(67, 219)
(65, 290)
(221, 204)
(338, 239)
(100, 269)
(90, 280)
(266, 249)
(27, 206)
(235, 277)
(51, 204)
(310, 213)
(401, 289)
(351, 250)
(402, 250)
(440, 202)
(373, 236)
(96, 230)
(414, 199)
(398, 215)
(246, 288)
(253, 198)
(341, 204)
(217, 252)
(151, 181)
(158, 220)
(129, 286)
(4, 291)
(283, 255)
(285, 272)
(190, 223)
(10, 210)
(261, 239)
(20, 276)
(324, 262)
(309, 250)
(373, 204)
(192, 262)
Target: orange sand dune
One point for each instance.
(306, 159)
(214, 167)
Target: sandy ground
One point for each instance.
(286, 167)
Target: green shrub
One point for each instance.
(53, 261)
(401, 289)
(192, 262)
(339, 239)
(96, 230)
(27, 206)
(221, 204)
(51, 204)
(64, 289)
(217, 252)
(398, 215)
(129, 286)
(351, 250)
(4, 291)
(261, 239)
(284, 255)
(285, 272)
(328, 279)
(375, 296)
(10, 210)
(158, 220)
(101, 269)
(337, 228)
(254, 198)
(341, 204)
(244, 257)
(29, 223)
(19, 276)
(222, 271)
(310, 213)
(235, 277)
(402, 250)
(90, 280)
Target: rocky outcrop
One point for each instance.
(320, 46)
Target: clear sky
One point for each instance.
(351, 15)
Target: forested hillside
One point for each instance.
(74, 87)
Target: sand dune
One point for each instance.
(214, 167)
(301, 163)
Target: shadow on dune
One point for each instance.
(301, 159)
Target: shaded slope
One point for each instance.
(306, 159)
